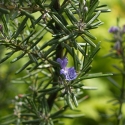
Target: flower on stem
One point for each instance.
(113, 29)
(118, 32)
(63, 62)
(69, 73)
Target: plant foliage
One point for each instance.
(67, 25)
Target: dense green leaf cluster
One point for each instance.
(67, 25)
(118, 52)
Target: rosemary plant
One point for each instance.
(54, 87)
(118, 52)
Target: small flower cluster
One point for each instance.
(69, 73)
(115, 29)
(118, 33)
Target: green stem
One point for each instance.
(59, 51)
(119, 117)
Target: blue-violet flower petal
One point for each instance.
(113, 29)
(69, 73)
(63, 62)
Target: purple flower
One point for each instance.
(69, 73)
(113, 29)
(63, 62)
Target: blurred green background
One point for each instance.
(96, 107)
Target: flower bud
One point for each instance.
(86, 9)
(84, 2)
(113, 29)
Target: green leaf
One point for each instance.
(68, 100)
(68, 48)
(4, 11)
(88, 88)
(53, 41)
(110, 54)
(74, 100)
(94, 75)
(4, 20)
(32, 23)
(44, 46)
(74, 6)
(14, 15)
(27, 114)
(46, 27)
(100, 6)
(26, 107)
(56, 114)
(36, 42)
(7, 57)
(50, 90)
(87, 33)
(92, 8)
(33, 58)
(96, 24)
(19, 57)
(63, 39)
(28, 37)
(52, 48)
(103, 10)
(71, 116)
(11, 116)
(86, 68)
(74, 42)
(119, 69)
(85, 55)
(93, 18)
(60, 23)
(31, 103)
(75, 59)
(72, 35)
(96, 49)
(54, 63)
(113, 82)
(31, 121)
(38, 19)
(27, 14)
(70, 16)
(45, 105)
(80, 49)
(20, 28)
(41, 32)
(88, 41)
(27, 76)
(9, 122)
(24, 66)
